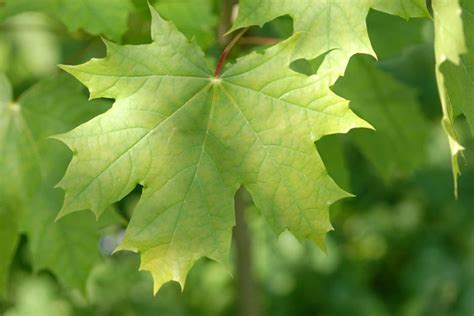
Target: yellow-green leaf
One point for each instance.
(449, 46)
(191, 140)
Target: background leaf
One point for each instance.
(399, 143)
(31, 164)
(97, 17)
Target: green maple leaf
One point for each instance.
(68, 247)
(106, 17)
(404, 8)
(456, 81)
(191, 140)
(336, 26)
(392, 36)
(401, 131)
(194, 18)
(450, 44)
(30, 165)
(459, 79)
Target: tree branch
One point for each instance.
(248, 303)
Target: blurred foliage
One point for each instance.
(404, 246)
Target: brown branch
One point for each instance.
(256, 40)
(247, 295)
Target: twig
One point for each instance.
(256, 40)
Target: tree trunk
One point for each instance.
(247, 296)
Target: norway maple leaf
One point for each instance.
(398, 146)
(30, 165)
(183, 14)
(332, 25)
(459, 79)
(191, 139)
(450, 44)
(107, 17)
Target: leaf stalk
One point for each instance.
(227, 50)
